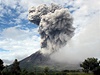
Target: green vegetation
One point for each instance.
(1, 66)
(79, 73)
(15, 69)
(90, 67)
(90, 64)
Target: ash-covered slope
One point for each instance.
(37, 60)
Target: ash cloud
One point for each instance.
(55, 26)
(86, 44)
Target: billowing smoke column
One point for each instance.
(55, 26)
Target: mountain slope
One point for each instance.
(37, 61)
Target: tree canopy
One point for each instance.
(15, 67)
(1, 66)
(90, 64)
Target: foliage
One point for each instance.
(79, 73)
(15, 69)
(46, 69)
(1, 66)
(90, 64)
(97, 71)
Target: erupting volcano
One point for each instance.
(55, 26)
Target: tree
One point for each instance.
(1, 66)
(90, 64)
(96, 71)
(15, 69)
(46, 69)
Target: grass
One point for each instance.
(70, 73)
(79, 73)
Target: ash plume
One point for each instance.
(55, 26)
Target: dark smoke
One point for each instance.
(55, 26)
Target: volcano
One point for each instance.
(37, 61)
(55, 29)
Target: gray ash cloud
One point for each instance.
(55, 26)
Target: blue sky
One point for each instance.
(19, 38)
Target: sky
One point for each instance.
(19, 38)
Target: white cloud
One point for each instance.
(19, 43)
(10, 3)
(86, 9)
(23, 15)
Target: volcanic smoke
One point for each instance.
(55, 26)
